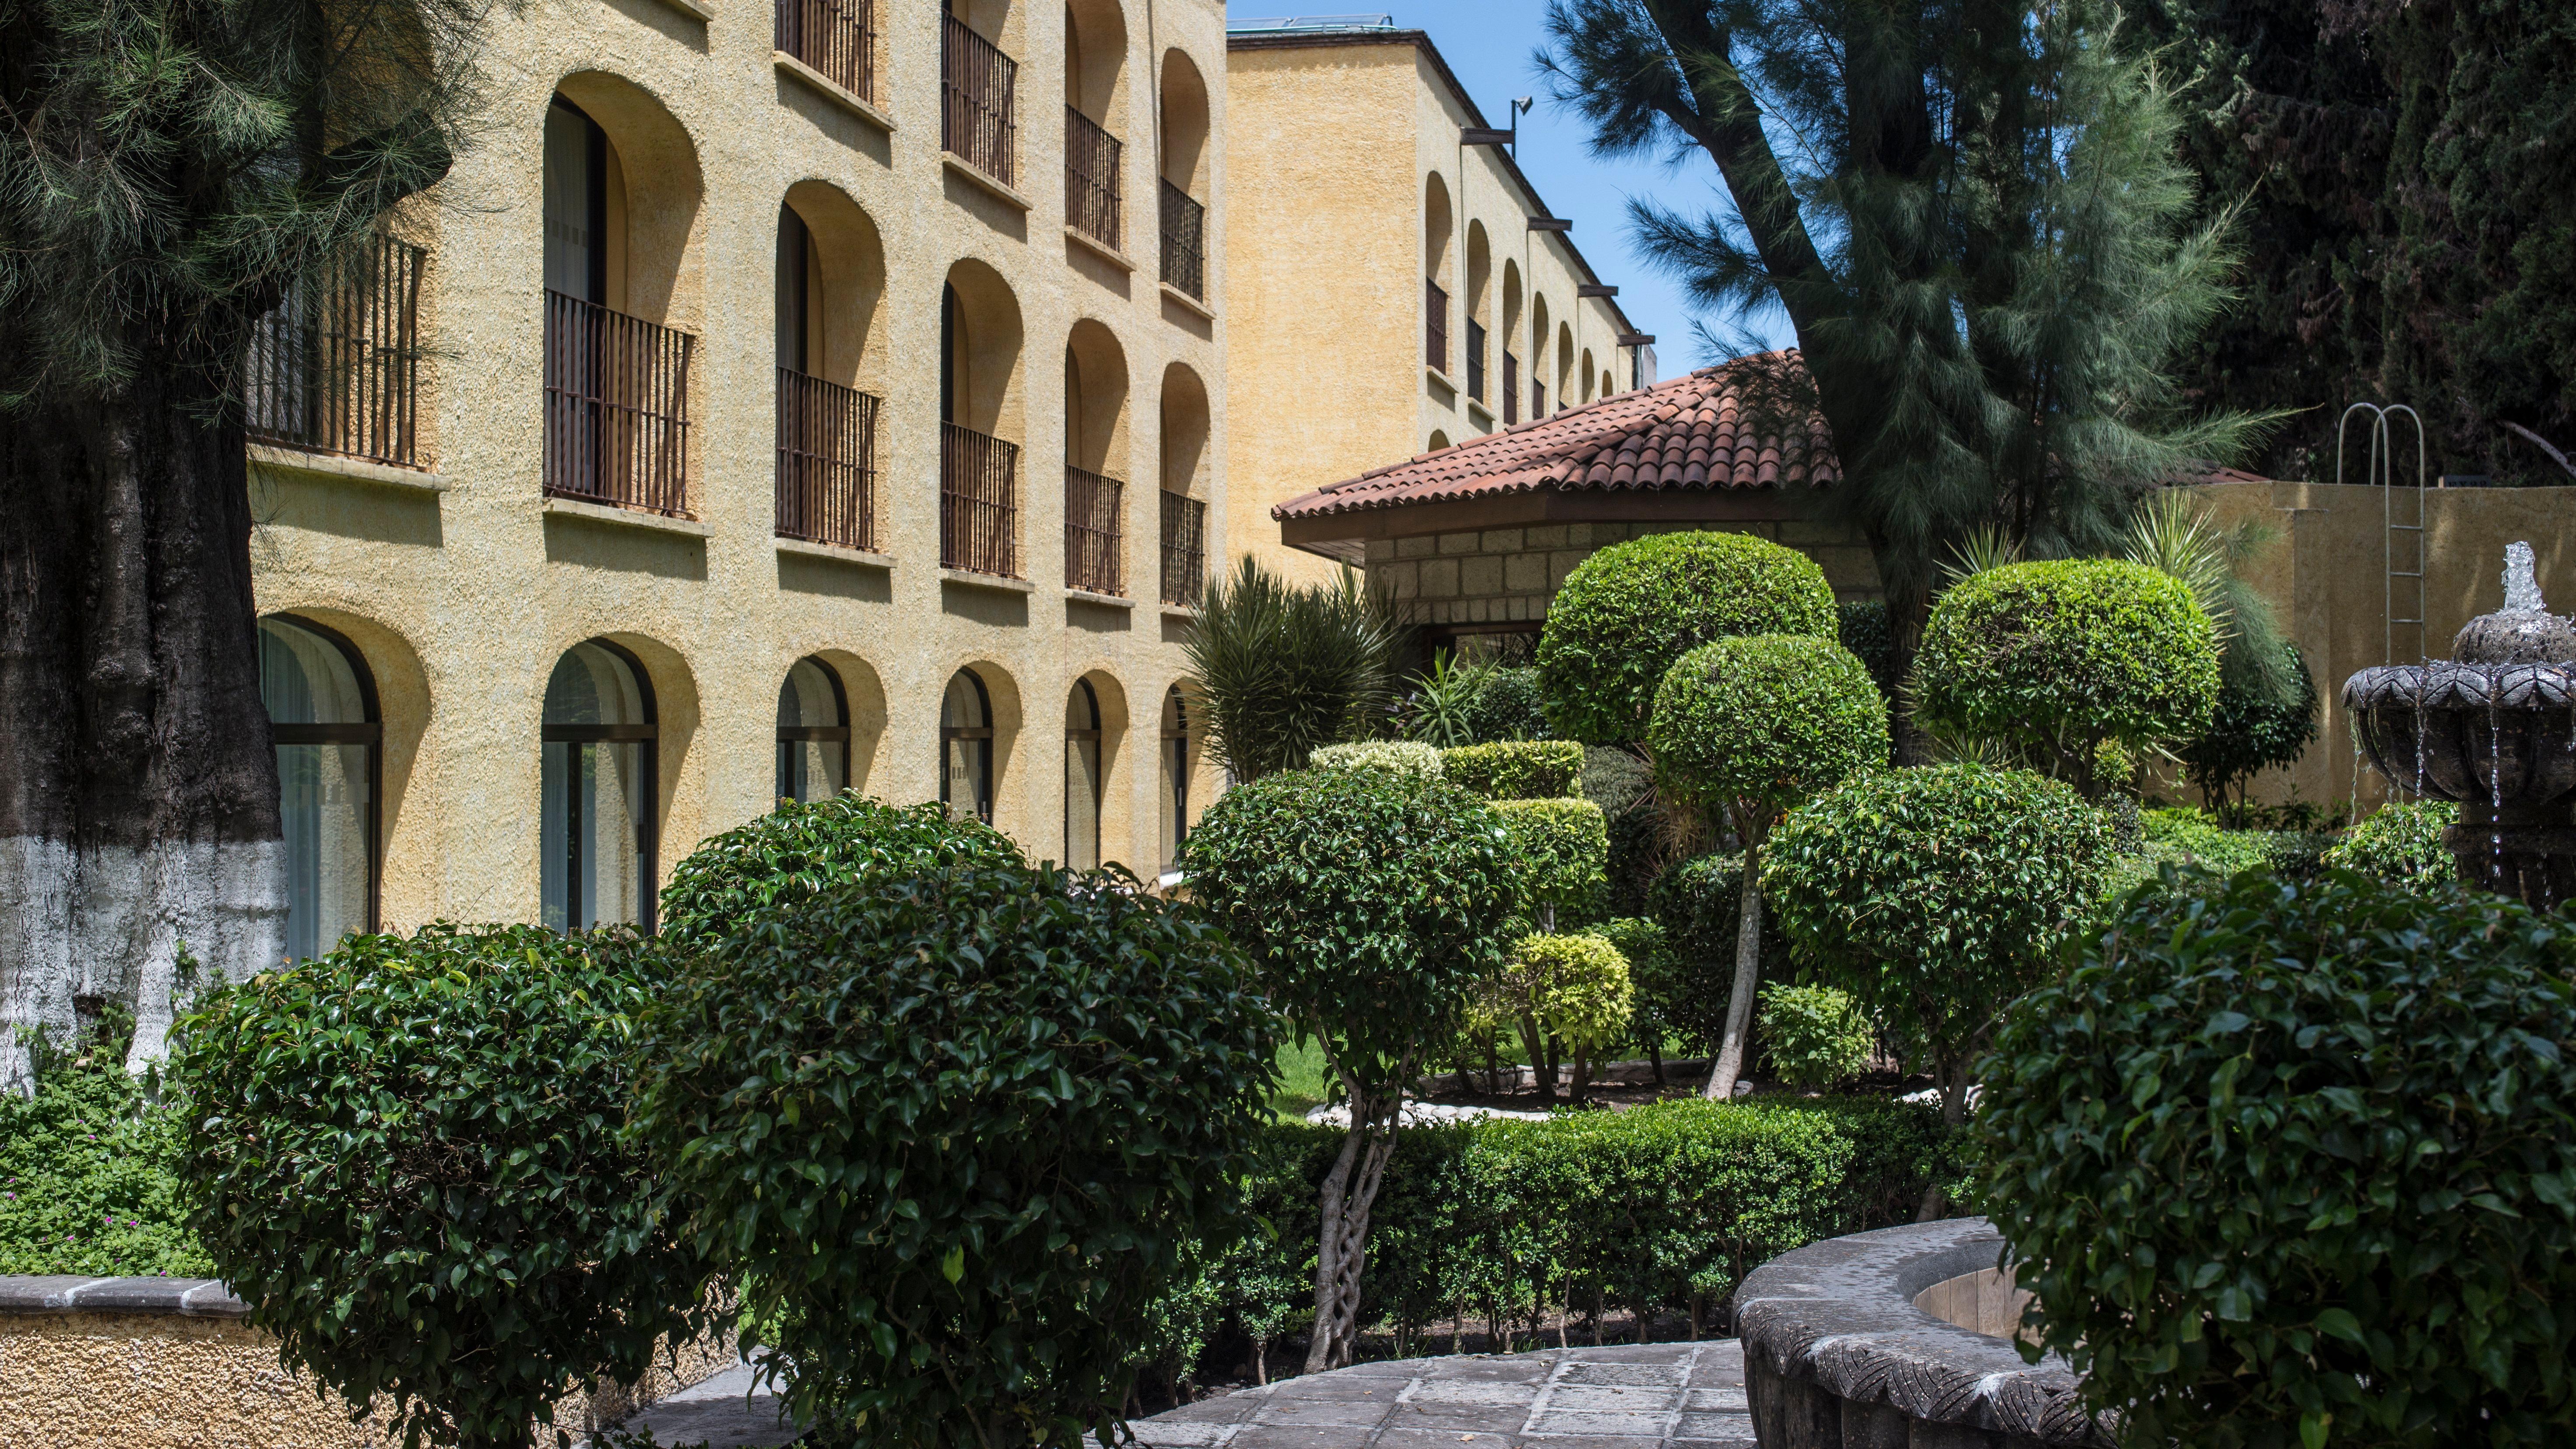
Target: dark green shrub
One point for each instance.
(1629, 611)
(951, 1132)
(2402, 842)
(2254, 726)
(1508, 707)
(406, 1157)
(1642, 944)
(1369, 913)
(1563, 847)
(1516, 769)
(2296, 1166)
(1699, 903)
(1936, 895)
(2051, 659)
(798, 849)
(88, 1169)
(1815, 1036)
(1863, 629)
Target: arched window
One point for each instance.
(966, 748)
(1176, 777)
(322, 715)
(597, 826)
(1082, 777)
(813, 733)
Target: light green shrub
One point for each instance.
(1574, 986)
(1564, 850)
(1409, 760)
(1815, 1035)
(1516, 769)
(2402, 842)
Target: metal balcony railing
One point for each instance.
(1184, 242)
(1476, 360)
(335, 367)
(827, 477)
(617, 407)
(1184, 549)
(1435, 325)
(979, 107)
(836, 37)
(1511, 390)
(979, 509)
(1093, 542)
(1091, 186)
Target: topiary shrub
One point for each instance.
(1936, 895)
(1747, 728)
(1408, 760)
(951, 1131)
(1563, 847)
(1816, 1037)
(2402, 842)
(2296, 1165)
(1508, 706)
(798, 849)
(405, 1157)
(1574, 987)
(2252, 728)
(1516, 769)
(1699, 903)
(2054, 658)
(1370, 910)
(1624, 615)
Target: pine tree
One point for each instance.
(1970, 212)
(169, 169)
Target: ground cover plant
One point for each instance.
(953, 1132)
(406, 1157)
(2294, 1164)
(88, 1179)
(1369, 911)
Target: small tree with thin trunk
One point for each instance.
(1371, 906)
(1747, 728)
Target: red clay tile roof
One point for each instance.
(1688, 433)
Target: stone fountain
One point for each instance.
(2494, 728)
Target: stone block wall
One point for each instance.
(1507, 576)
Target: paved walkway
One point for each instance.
(1649, 1396)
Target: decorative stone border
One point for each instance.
(188, 1297)
(1837, 1356)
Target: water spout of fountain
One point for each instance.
(2521, 583)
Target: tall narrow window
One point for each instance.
(1176, 778)
(322, 715)
(597, 827)
(795, 290)
(576, 182)
(966, 748)
(813, 733)
(1082, 778)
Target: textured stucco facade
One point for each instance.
(1347, 189)
(464, 585)
(1507, 576)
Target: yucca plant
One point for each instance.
(1284, 670)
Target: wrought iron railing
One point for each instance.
(1511, 390)
(1093, 555)
(335, 367)
(979, 505)
(617, 407)
(1091, 189)
(836, 37)
(1476, 359)
(827, 477)
(1184, 242)
(1184, 549)
(1435, 325)
(978, 93)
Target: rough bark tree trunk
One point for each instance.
(1542, 1071)
(1748, 973)
(1350, 1190)
(138, 786)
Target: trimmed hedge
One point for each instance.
(800, 848)
(1403, 759)
(1624, 615)
(1508, 707)
(1564, 851)
(2295, 1164)
(1755, 725)
(1516, 769)
(2402, 842)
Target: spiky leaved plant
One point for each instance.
(1283, 670)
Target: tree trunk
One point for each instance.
(1655, 1058)
(138, 788)
(1542, 1071)
(1578, 1092)
(1748, 973)
(1350, 1189)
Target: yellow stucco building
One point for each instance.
(1393, 283)
(778, 397)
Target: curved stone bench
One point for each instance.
(1837, 1354)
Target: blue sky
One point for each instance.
(1488, 43)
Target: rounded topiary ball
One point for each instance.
(2297, 1164)
(1758, 724)
(2058, 656)
(1626, 613)
(950, 1134)
(800, 848)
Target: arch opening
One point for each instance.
(601, 794)
(1083, 776)
(813, 732)
(830, 280)
(329, 735)
(1095, 434)
(1178, 757)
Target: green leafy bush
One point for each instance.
(1408, 760)
(405, 1156)
(1508, 706)
(2255, 725)
(88, 1170)
(2296, 1166)
(1699, 903)
(2194, 838)
(1936, 895)
(1863, 629)
(1516, 769)
(1437, 710)
(1816, 1036)
(800, 848)
(2402, 842)
(1564, 850)
(1624, 615)
(2054, 658)
(1755, 725)
(1574, 986)
(1642, 944)
(951, 1131)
